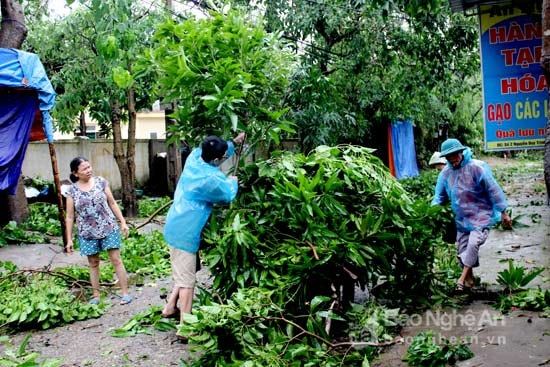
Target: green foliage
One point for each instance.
(424, 352)
(226, 74)
(515, 278)
(446, 271)
(250, 329)
(147, 255)
(373, 323)
(530, 299)
(89, 58)
(143, 322)
(336, 217)
(516, 222)
(21, 358)
(148, 206)
(42, 300)
(421, 186)
(12, 233)
(79, 273)
(368, 63)
(43, 223)
(44, 218)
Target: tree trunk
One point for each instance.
(12, 28)
(545, 63)
(129, 193)
(173, 156)
(16, 206)
(125, 165)
(12, 34)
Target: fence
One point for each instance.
(99, 152)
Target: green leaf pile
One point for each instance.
(307, 224)
(33, 300)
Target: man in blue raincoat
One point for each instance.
(477, 201)
(201, 185)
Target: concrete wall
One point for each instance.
(99, 152)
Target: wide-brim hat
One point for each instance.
(451, 146)
(437, 159)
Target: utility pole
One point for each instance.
(173, 155)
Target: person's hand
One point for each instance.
(234, 178)
(506, 220)
(70, 247)
(125, 230)
(239, 138)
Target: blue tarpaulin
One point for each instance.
(25, 90)
(402, 152)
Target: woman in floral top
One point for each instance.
(90, 200)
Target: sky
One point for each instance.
(58, 8)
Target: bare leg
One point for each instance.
(186, 301)
(470, 279)
(172, 304)
(466, 274)
(93, 261)
(120, 270)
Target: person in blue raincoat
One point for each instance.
(201, 185)
(477, 201)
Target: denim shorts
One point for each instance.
(93, 246)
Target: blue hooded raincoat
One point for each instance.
(200, 186)
(476, 198)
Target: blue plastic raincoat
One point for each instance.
(200, 186)
(476, 198)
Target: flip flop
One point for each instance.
(126, 299)
(174, 315)
(182, 339)
(462, 288)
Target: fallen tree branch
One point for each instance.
(150, 218)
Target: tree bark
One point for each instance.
(16, 206)
(125, 165)
(129, 193)
(545, 63)
(12, 28)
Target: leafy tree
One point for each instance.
(91, 54)
(226, 73)
(375, 62)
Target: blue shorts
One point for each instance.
(93, 246)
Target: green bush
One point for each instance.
(334, 219)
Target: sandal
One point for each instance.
(126, 299)
(460, 287)
(174, 315)
(94, 301)
(181, 339)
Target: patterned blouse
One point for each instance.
(94, 217)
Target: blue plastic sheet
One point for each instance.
(25, 88)
(17, 112)
(404, 151)
(20, 69)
